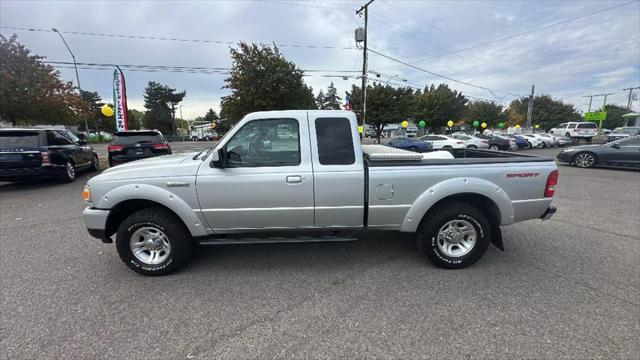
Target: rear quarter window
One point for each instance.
(335, 142)
(10, 139)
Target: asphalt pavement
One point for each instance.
(564, 288)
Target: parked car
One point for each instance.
(576, 130)
(547, 140)
(322, 181)
(443, 142)
(623, 132)
(534, 141)
(623, 152)
(472, 142)
(498, 142)
(135, 145)
(410, 144)
(29, 153)
(521, 141)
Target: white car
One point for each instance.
(472, 142)
(534, 140)
(547, 140)
(585, 130)
(443, 142)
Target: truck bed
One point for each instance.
(375, 156)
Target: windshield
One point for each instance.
(626, 131)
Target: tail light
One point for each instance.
(114, 148)
(552, 181)
(45, 158)
(160, 146)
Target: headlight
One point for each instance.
(86, 193)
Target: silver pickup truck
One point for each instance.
(296, 176)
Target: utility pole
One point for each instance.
(530, 109)
(630, 89)
(86, 124)
(365, 9)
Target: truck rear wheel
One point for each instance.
(454, 236)
(153, 241)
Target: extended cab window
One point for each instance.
(268, 142)
(335, 143)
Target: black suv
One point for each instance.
(135, 145)
(34, 153)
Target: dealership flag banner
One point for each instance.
(120, 99)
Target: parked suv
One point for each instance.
(27, 153)
(135, 145)
(581, 130)
(623, 132)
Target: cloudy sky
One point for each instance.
(494, 50)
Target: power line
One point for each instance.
(438, 75)
(160, 38)
(508, 37)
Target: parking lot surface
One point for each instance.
(564, 288)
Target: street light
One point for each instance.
(86, 124)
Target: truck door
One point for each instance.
(268, 181)
(338, 171)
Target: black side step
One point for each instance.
(274, 240)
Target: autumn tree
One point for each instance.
(32, 92)
(261, 78)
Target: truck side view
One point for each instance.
(295, 176)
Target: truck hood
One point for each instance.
(159, 166)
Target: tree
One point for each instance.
(330, 101)
(438, 105)
(210, 116)
(484, 111)
(614, 116)
(262, 79)
(160, 102)
(32, 92)
(385, 105)
(547, 112)
(134, 118)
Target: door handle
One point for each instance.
(294, 179)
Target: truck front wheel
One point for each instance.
(454, 235)
(153, 241)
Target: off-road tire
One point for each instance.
(428, 232)
(162, 219)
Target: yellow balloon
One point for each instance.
(405, 124)
(450, 123)
(106, 110)
(360, 129)
(537, 126)
(517, 126)
(484, 125)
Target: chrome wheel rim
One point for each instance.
(71, 172)
(456, 238)
(584, 160)
(150, 245)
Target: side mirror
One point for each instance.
(82, 142)
(219, 159)
(615, 146)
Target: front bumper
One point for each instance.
(96, 222)
(551, 210)
(565, 157)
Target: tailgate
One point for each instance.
(19, 149)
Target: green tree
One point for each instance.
(262, 79)
(94, 102)
(547, 112)
(484, 111)
(210, 116)
(32, 92)
(320, 100)
(160, 102)
(385, 105)
(614, 116)
(134, 118)
(438, 105)
(330, 100)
